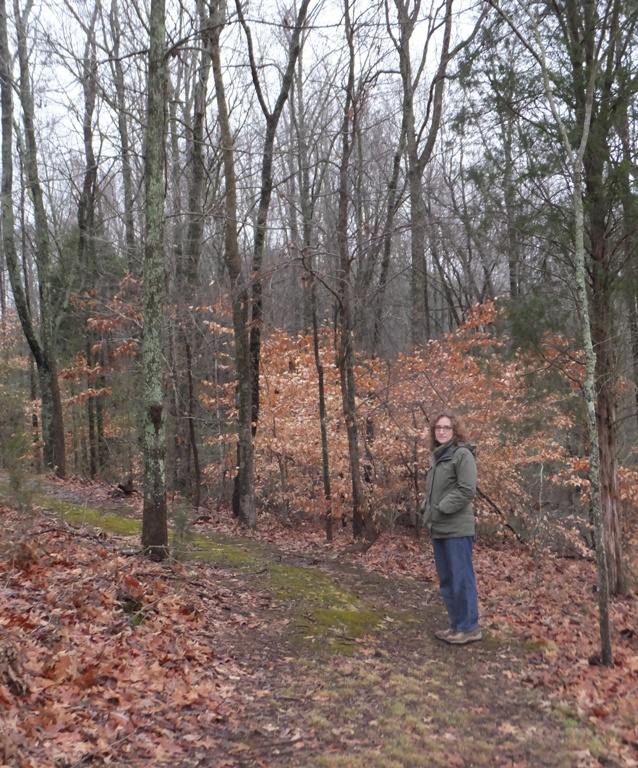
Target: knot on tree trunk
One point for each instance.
(155, 415)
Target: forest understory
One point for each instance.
(273, 648)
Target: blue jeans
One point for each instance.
(453, 558)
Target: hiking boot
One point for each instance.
(461, 638)
(443, 634)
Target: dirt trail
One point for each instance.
(340, 668)
(397, 699)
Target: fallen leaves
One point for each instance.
(82, 679)
(122, 660)
(559, 623)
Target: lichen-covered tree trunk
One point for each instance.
(154, 518)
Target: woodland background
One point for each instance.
(281, 238)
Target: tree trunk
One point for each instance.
(244, 496)
(391, 209)
(178, 452)
(265, 191)
(606, 413)
(132, 258)
(599, 205)
(596, 473)
(187, 281)
(86, 228)
(363, 526)
(310, 308)
(154, 516)
(580, 172)
(52, 416)
(630, 254)
(418, 158)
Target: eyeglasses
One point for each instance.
(443, 429)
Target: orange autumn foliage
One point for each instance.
(520, 408)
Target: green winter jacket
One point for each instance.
(450, 486)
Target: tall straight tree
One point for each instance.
(87, 233)
(408, 13)
(630, 220)
(119, 103)
(308, 193)
(272, 116)
(589, 27)
(42, 345)
(363, 525)
(576, 166)
(244, 496)
(192, 177)
(593, 38)
(154, 518)
(392, 206)
(247, 292)
(575, 160)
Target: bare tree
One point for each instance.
(421, 134)
(244, 497)
(87, 232)
(363, 524)
(42, 345)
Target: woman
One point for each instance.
(450, 486)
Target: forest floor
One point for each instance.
(276, 649)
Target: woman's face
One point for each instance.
(443, 429)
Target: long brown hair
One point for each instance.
(458, 429)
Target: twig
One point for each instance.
(499, 512)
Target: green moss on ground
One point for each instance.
(325, 615)
(384, 693)
(78, 514)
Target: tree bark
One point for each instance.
(419, 155)
(154, 515)
(244, 495)
(265, 193)
(52, 415)
(120, 104)
(363, 525)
